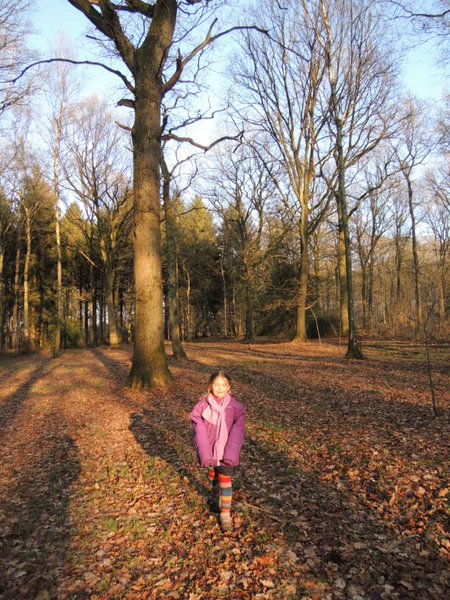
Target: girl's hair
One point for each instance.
(219, 373)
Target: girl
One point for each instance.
(218, 423)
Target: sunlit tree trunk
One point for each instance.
(149, 367)
(91, 324)
(188, 306)
(15, 310)
(343, 296)
(56, 150)
(26, 271)
(300, 331)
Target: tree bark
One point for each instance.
(149, 366)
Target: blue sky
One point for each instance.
(421, 73)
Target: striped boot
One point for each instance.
(213, 500)
(226, 495)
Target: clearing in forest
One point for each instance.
(342, 491)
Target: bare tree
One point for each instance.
(170, 214)
(280, 79)
(141, 34)
(438, 218)
(371, 222)
(61, 87)
(412, 148)
(360, 74)
(14, 55)
(431, 20)
(241, 188)
(96, 168)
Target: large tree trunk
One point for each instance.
(442, 288)
(149, 367)
(370, 311)
(398, 319)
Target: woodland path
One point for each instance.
(342, 492)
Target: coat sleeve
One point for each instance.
(201, 439)
(235, 439)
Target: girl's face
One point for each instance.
(220, 387)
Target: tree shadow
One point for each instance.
(169, 444)
(35, 531)
(337, 536)
(11, 405)
(113, 365)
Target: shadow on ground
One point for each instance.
(32, 552)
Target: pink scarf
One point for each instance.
(215, 413)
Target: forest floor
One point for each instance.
(342, 490)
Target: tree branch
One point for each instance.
(411, 13)
(128, 102)
(209, 39)
(177, 138)
(125, 80)
(108, 23)
(136, 6)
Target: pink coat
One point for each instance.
(204, 433)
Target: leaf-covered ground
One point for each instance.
(342, 491)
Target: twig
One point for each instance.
(264, 510)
